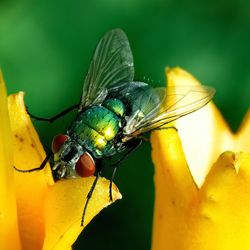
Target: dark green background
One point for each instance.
(45, 50)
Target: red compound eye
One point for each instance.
(57, 142)
(85, 166)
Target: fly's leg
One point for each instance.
(89, 196)
(111, 184)
(53, 118)
(43, 164)
(132, 146)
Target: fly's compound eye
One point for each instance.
(85, 166)
(57, 142)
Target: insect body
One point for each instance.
(95, 132)
(114, 112)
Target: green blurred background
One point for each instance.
(45, 50)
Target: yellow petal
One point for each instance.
(214, 217)
(175, 191)
(64, 206)
(9, 237)
(222, 220)
(31, 187)
(49, 213)
(242, 137)
(204, 134)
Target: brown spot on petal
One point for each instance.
(173, 202)
(160, 216)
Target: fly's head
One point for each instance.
(71, 160)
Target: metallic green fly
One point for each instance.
(114, 113)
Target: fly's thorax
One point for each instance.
(115, 105)
(96, 127)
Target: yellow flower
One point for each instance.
(202, 198)
(35, 212)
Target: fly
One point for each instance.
(114, 113)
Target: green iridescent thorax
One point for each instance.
(115, 105)
(96, 127)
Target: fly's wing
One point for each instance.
(112, 64)
(155, 107)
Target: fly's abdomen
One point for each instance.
(95, 128)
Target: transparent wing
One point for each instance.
(155, 107)
(112, 64)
